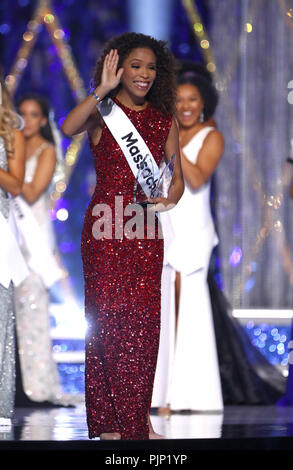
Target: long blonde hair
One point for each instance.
(8, 119)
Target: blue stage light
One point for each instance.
(152, 17)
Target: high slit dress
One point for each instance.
(122, 280)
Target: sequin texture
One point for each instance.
(7, 321)
(122, 294)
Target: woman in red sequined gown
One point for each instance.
(123, 275)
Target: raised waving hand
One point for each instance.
(110, 78)
(82, 117)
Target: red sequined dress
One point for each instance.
(122, 279)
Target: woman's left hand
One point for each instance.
(160, 204)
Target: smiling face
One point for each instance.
(33, 117)
(189, 105)
(139, 73)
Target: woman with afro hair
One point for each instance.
(122, 273)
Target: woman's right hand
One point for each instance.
(110, 78)
(84, 117)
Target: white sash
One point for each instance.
(132, 145)
(41, 259)
(12, 264)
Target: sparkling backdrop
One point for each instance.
(253, 54)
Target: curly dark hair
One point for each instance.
(163, 92)
(196, 74)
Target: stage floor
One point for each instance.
(237, 428)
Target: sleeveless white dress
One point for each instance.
(187, 375)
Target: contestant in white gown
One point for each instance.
(39, 372)
(187, 375)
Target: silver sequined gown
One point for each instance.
(7, 339)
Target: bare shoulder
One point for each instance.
(215, 137)
(215, 134)
(49, 149)
(49, 152)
